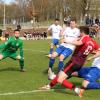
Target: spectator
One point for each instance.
(18, 27)
(91, 21)
(97, 21)
(6, 35)
(87, 21)
(45, 35)
(1, 32)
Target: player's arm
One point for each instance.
(6, 44)
(62, 35)
(49, 29)
(97, 54)
(77, 41)
(61, 32)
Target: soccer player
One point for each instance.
(55, 29)
(85, 46)
(90, 74)
(65, 49)
(10, 47)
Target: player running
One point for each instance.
(64, 50)
(85, 46)
(11, 46)
(55, 29)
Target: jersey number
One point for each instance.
(87, 51)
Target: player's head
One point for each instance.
(84, 30)
(16, 33)
(73, 23)
(56, 21)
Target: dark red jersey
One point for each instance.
(81, 52)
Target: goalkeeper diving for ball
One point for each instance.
(10, 48)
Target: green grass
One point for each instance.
(11, 80)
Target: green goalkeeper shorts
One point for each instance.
(6, 54)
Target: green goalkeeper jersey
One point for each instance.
(12, 45)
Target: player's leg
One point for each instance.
(51, 50)
(3, 55)
(57, 45)
(52, 59)
(51, 63)
(54, 55)
(61, 77)
(57, 79)
(70, 67)
(65, 74)
(15, 56)
(21, 62)
(62, 80)
(90, 79)
(61, 63)
(55, 42)
(82, 72)
(66, 53)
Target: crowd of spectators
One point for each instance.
(94, 25)
(35, 35)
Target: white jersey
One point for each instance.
(96, 62)
(56, 29)
(70, 35)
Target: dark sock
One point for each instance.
(60, 65)
(51, 50)
(51, 63)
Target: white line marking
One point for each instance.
(27, 92)
(35, 50)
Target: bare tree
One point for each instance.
(46, 9)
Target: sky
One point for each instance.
(8, 1)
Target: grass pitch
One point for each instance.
(15, 85)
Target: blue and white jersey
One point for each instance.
(70, 35)
(56, 30)
(96, 62)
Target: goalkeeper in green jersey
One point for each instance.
(10, 48)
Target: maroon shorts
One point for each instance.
(71, 67)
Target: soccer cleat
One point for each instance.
(49, 55)
(23, 70)
(79, 92)
(52, 76)
(45, 87)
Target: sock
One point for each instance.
(68, 84)
(21, 62)
(51, 62)
(54, 81)
(51, 50)
(60, 65)
(93, 85)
